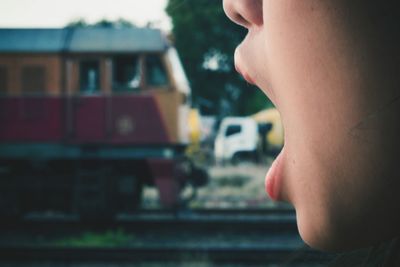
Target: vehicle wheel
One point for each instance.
(235, 159)
(256, 156)
(137, 194)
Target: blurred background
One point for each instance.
(128, 138)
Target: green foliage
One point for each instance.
(256, 101)
(206, 39)
(79, 23)
(89, 239)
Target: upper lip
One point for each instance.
(265, 88)
(245, 75)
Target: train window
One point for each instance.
(233, 129)
(126, 74)
(155, 71)
(3, 80)
(89, 76)
(33, 79)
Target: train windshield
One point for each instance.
(126, 74)
(89, 76)
(155, 70)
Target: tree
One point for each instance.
(103, 23)
(206, 39)
(79, 23)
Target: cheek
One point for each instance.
(331, 177)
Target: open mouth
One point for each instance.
(274, 177)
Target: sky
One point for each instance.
(58, 13)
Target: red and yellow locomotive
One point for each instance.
(89, 115)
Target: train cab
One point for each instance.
(105, 76)
(103, 108)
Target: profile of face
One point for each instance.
(330, 67)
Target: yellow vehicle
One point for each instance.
(274, 137)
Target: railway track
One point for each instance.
(247, 256)
(230, 212)
(214, 236)
(191, 220)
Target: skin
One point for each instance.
(330, 68)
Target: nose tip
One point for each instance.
(232, 13)
(244, 12)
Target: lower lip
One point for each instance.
(273, 179)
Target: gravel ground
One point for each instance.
(229, 186)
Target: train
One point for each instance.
(88, 116)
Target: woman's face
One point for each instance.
(321, 63)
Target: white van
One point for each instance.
(237, 138)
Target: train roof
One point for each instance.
(82, 40)
(32, 40)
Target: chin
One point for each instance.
(330, 233)
(325, 233)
